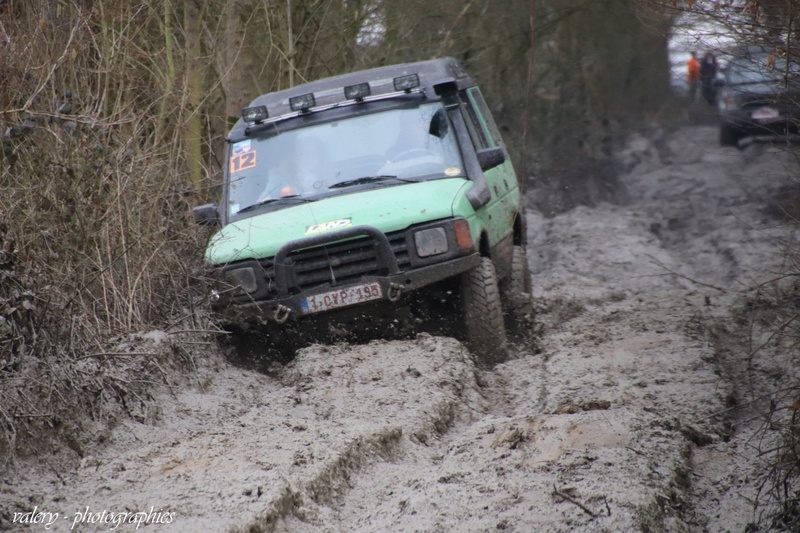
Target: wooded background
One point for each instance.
(114, 113)
(172, 73)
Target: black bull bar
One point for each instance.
(392, 284)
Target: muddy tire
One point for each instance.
(483, 314)
(517, 297)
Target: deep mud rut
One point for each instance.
(620, 420)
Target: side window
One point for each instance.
(482, 128)
(475, 124)
(485, 115)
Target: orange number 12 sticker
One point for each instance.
(243, 162)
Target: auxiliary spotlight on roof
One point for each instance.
(255, 115)
(406, 83)
(302, 103)
(357, 92)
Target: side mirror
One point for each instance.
(491, 157)
(206, 215)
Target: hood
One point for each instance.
(388, 209)
(765, 88)
(766, 94)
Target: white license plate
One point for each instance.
(765, 113)
(341, 298)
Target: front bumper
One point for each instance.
(392, 286)
(386, 280)
(779, 126)
(747, 120)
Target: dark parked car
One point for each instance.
(759, 94)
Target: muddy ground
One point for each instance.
(621, 420)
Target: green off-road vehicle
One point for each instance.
(363, 191)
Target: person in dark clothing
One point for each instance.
(708, 73)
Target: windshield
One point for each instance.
(759, 70)
(378, 149)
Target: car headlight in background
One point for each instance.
(242, 277)
(431, 242)
(727, 102)
(731, 101)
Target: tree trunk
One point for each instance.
(195, 74)
(240, 64)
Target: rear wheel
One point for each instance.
(483, 314)
(517, 295)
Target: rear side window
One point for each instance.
(477, 130)
(481, 127)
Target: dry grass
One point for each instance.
(773, 358)
(96, 245)
(763, 368)
(95, 235)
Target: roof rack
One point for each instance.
(424, 78)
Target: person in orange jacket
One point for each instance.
(693, 75)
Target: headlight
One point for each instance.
(242, 277)
(727, 102)
(431, 242)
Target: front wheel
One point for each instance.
(483, 314)
(729, 136)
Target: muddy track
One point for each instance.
(618, 421)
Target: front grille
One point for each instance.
(785, 103)
(337, 263)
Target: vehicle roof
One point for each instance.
(331, 90)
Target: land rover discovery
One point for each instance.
(363, 189)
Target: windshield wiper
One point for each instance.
(368, 179)
(283, 199)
